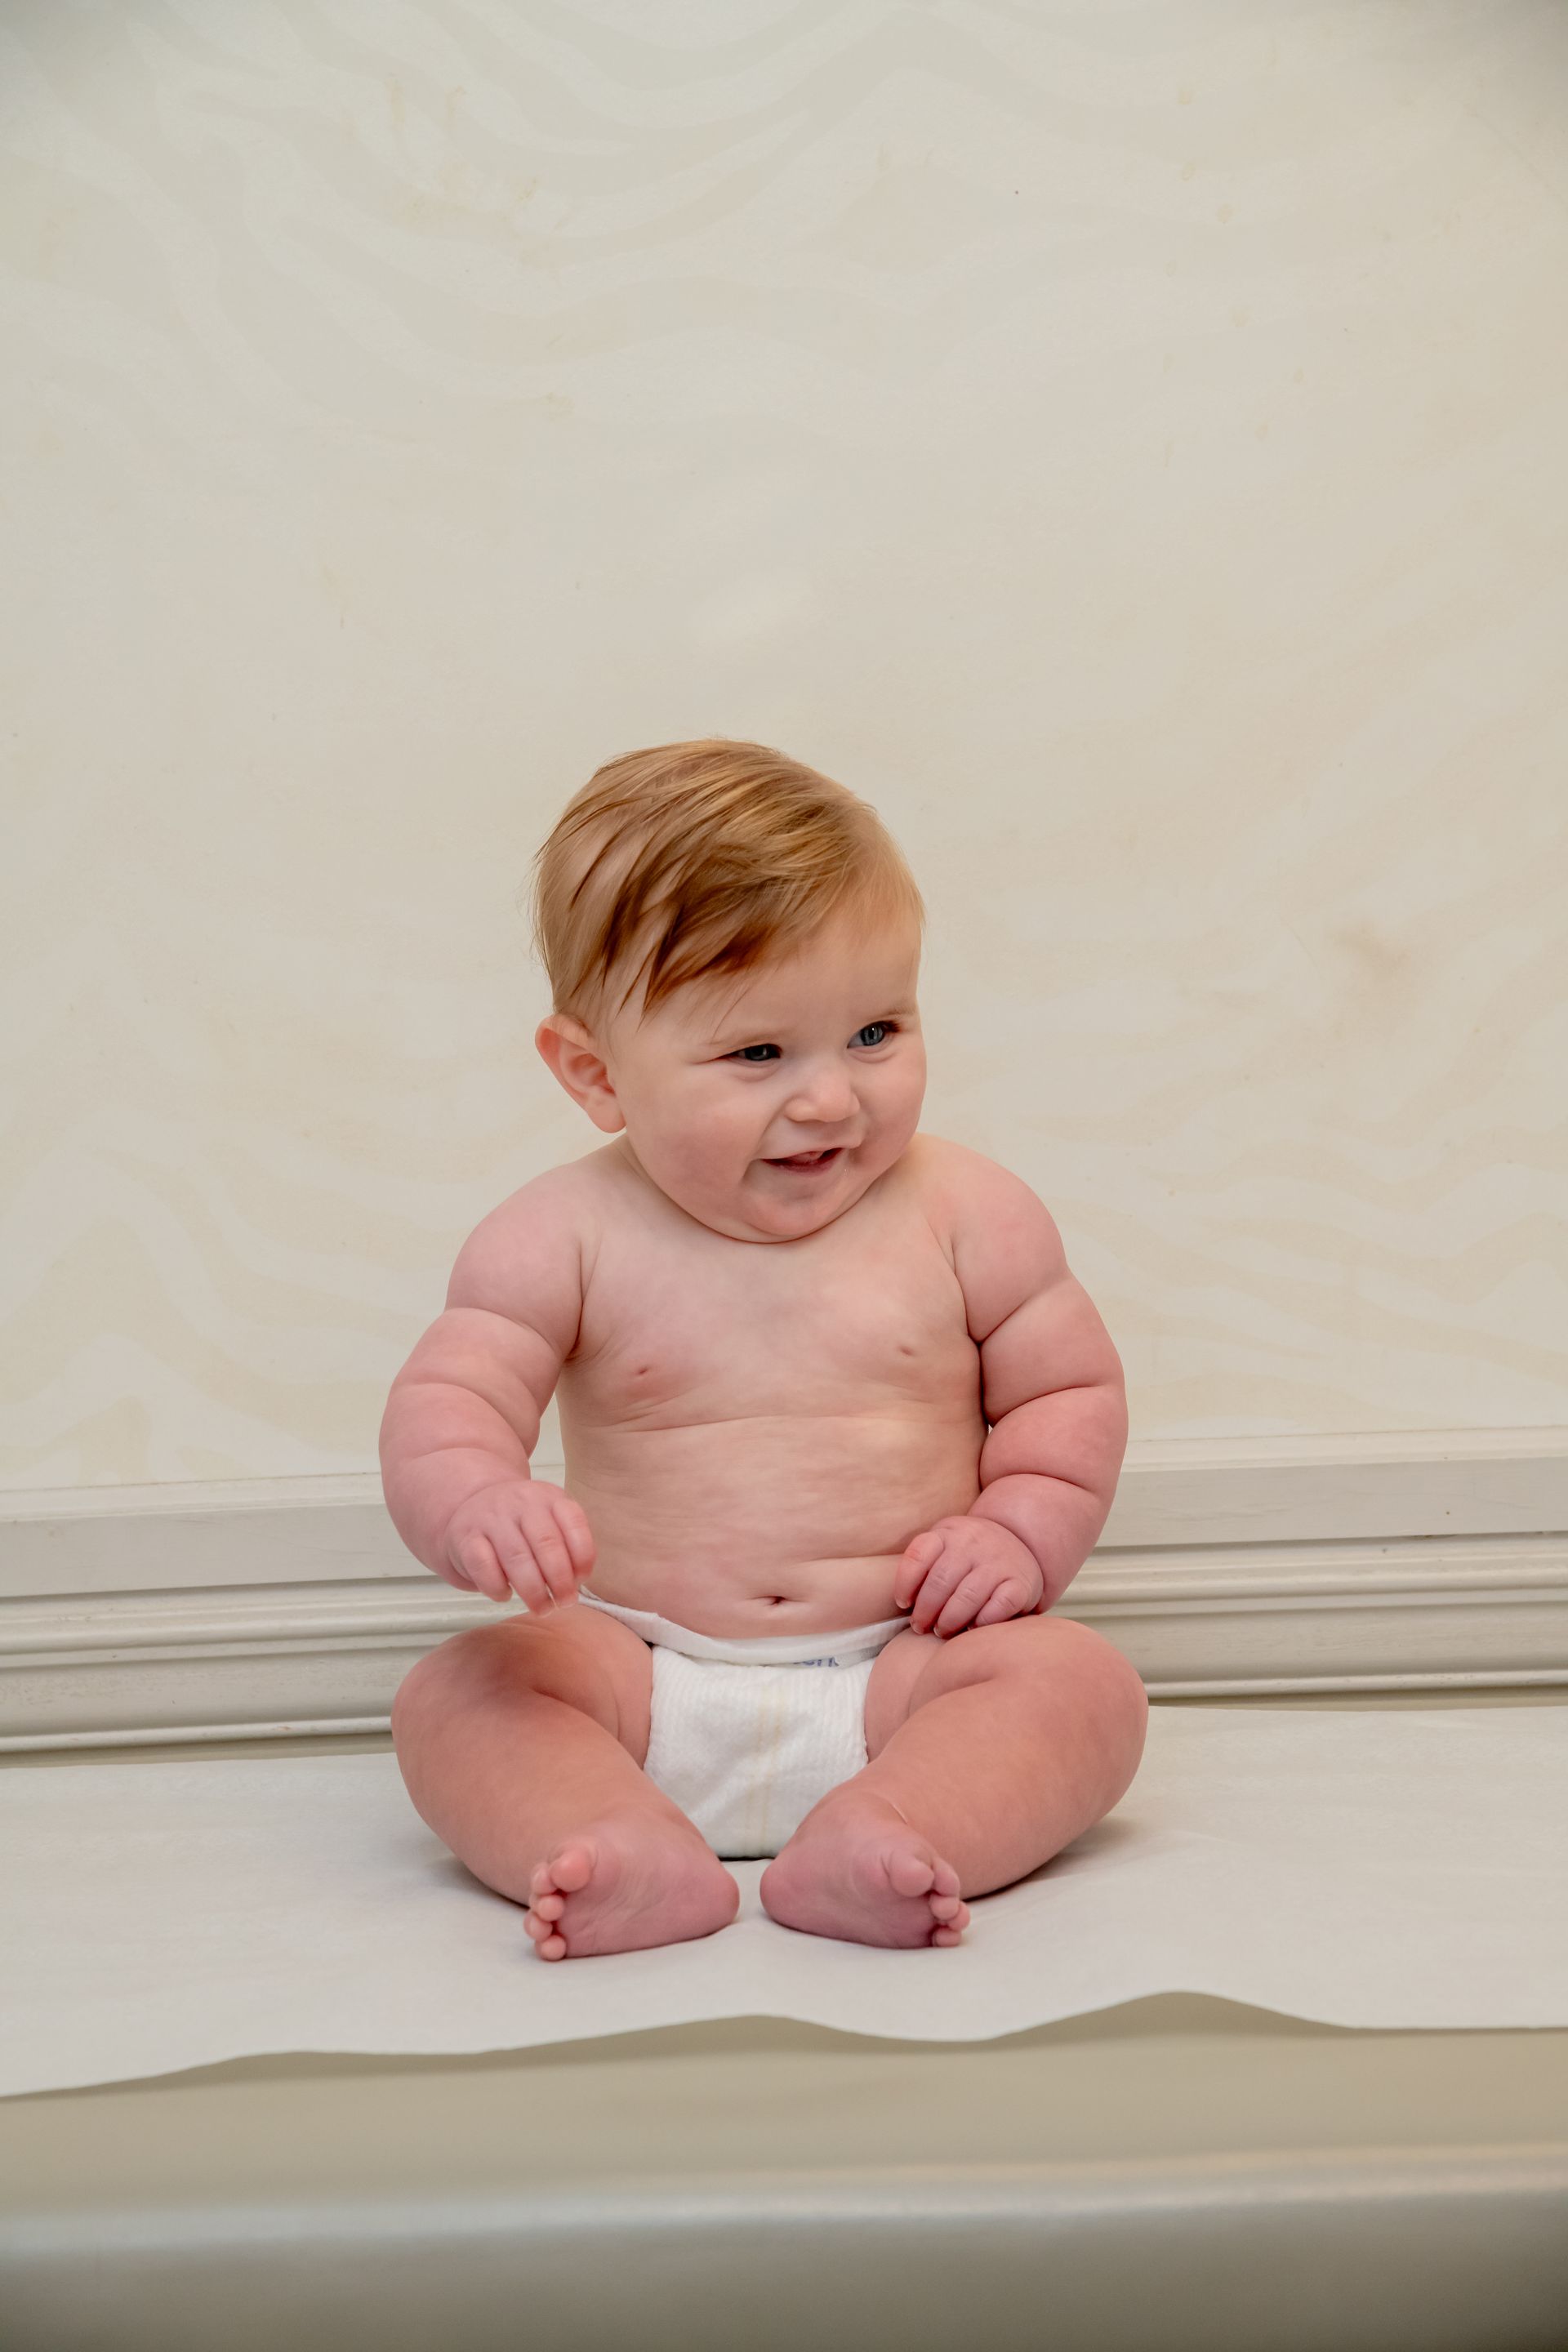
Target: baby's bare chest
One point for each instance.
(869, 1322)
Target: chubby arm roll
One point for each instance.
(463, 1413)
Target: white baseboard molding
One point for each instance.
(1237, 1569)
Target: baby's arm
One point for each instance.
(1052, 1391)
(463, 1415)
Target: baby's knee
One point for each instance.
(1116, 1711)
(1106, 1685)
(450, 1676)
(423, 1693)
(1113, 1678)
(1116, 1675)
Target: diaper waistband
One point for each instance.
(842, 1649)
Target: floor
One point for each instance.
(1172, 2173)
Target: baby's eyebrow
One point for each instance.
(733, 1033)
(755, 1032)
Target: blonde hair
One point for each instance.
(707, 857)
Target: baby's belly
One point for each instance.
(767, 1524)
(819, 1596)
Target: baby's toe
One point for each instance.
(907, 1874)
(569, 1868)
(945, 1935)
(542, 1924)
(944, 1907)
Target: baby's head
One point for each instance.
(734, 946)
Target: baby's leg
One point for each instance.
(988, 1754)
(522, 1746)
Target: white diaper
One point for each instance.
(746, 1737)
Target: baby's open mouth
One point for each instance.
(804, 1159)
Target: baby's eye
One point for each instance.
(885, 1029)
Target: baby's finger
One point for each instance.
(553, 1561)
(573, 1522)
(964, 1600)
(523, 1577)
(553, 1556)
(475, 1555)
(940, 1580)
(911, 1569)
(1009, 1600)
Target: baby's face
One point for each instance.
(817, 1052)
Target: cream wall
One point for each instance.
(1125, 443)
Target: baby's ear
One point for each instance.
(573, 1057)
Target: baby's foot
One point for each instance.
(628, 1881)
(856, 1869)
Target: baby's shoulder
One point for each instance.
(995, 1227)
(538, 1242)
(961, 1186)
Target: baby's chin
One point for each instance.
(784, 1204)
(776, 1204)
(760, 1201)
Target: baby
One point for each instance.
(839, 1424)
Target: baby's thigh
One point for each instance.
(1061, 1677)
(579, 1655)
(897, 1671)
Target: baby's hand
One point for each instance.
(523, 1536)
(966, 1571)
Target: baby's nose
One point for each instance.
(827, 1095)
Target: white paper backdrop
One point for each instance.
(1399, 1870)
